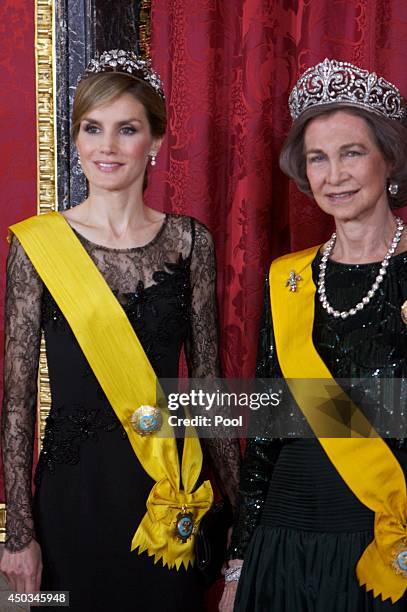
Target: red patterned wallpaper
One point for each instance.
(17, 128)
(228, 68)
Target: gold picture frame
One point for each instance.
(46, 161)
(46, 175)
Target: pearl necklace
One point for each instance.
(379, 278)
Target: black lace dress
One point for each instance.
(299, 528)
(90, 488)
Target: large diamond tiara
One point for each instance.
(332, 82)
(118, 60)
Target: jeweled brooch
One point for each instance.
(292, 281)
(184, 525)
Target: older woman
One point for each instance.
(118, 289)
(322, 522)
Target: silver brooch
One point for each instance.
(292, 281)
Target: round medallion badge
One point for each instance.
(146, 420)
(401, 562)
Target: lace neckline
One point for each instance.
(101, 247)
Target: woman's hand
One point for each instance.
(227, 602)
(23, 568)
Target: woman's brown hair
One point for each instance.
(105, 87)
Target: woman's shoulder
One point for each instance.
(186, 221)
(38, 225)
(190, 226)
(19, 230)
(193, 238)
(31, 220)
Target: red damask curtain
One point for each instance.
(228, 67)
(18, 174)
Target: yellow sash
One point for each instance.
(125, 374)
(361, 457)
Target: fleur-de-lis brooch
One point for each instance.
(292, 281)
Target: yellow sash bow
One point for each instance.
(125, 374)
(360, 456)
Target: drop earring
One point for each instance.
(152, 159)
(77, 167)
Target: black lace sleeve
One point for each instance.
(22, 342)
(261, 453)
(202, 344)
(202, 350)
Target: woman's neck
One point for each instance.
(364, 240)
(117, 220)
(114, 212)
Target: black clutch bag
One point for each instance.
(211, 541)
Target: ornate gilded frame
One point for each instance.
(46, 174)
(144, 27)
(47, 198)
(46, 160)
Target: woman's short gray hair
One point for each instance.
(390, 136)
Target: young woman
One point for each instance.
(119, 289)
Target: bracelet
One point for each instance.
(232, 573)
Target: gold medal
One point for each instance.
(146, 420)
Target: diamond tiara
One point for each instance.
(332, 82)
(127, 62)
